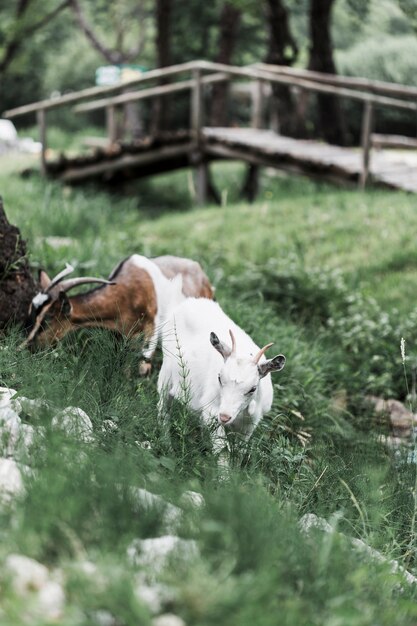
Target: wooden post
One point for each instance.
(202, 176)
(201, 169)
(41, 119)
(111, 123)
(197, 106)
(366, 142)
(257, 104)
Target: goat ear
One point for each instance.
(44, 280)
(65, 304)
(273, 365)
(221, 347)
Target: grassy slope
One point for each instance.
(277, 265)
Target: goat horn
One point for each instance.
(68, 269)
(74, 282)
(261, 352)
(232, 337)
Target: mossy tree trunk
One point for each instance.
(17, 286)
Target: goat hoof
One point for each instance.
(145, 368)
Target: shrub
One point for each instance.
(387, 58)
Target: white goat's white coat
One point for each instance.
(168, 296)
(194, 371)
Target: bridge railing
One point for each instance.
(202, 73)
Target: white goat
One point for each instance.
(229, 385)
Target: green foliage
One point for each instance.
(387, 58)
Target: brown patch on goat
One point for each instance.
(129, 306)
(195, 283)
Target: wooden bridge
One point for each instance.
(258, 145)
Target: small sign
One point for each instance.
(109, 75)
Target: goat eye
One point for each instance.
(251, 390)
(220, 380)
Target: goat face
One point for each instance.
(48, 320)
(239, 380)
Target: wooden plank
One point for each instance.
(373, 86)
(206, 66)
(393, 141)
(257, 104)
(92, 92)
(125, 161)
(161, 90)
(366, 142)
(196, 105)
(111, 123)
(41, 119)
(311, 157)
(309, 85)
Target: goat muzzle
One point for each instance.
(224, 419)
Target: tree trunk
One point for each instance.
(330, 115)
(229, 27)
(17, 286)
(282, 50)
(160, 110)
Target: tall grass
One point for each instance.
(289, 269)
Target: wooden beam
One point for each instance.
(365, 84)
(92, 92)
(148, 93)
(129, 160)
(257, 104)
(205, 66)
(196, 106)
(310, 85)
(393, 141)
(366, 142)
(111, 123)
(41, 119)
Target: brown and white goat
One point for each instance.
(137, 298)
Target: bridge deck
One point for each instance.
(395, 169)
(391, 168)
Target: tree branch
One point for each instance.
(46, 19)
(112, 56)
(20, 35)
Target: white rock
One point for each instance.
(109, 426)
(26, 574)
(75, 423)
(11, 483)
(104, 618)
(153, 555)
(6, 394)
(16, 438)
(27, 144)
(155, 595)
(168, 619)
(10, 430)
(8, 132)
(145, 445)
(27, 435)
(30, 406)
(31, 577)
(171, 515)
(51, 600)
(87, 567)
(310, 520)
(192, 499)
